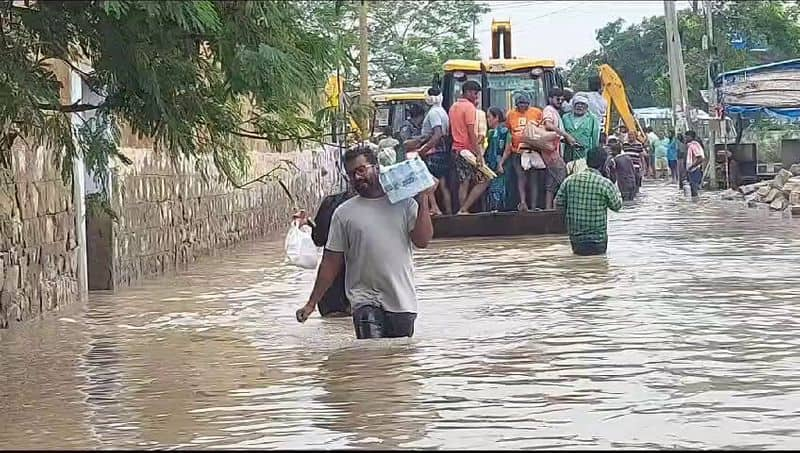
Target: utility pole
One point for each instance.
(474, 20)
(363, 67)
(677, 73)
(708, 44)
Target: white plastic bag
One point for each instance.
(576, 166)
(531, 159)
(300, 248)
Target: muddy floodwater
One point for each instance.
(686, 335)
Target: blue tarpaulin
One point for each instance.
(754, 111)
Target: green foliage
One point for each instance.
(638, 52)
(179, 72)
(409, 40)
(414, 38)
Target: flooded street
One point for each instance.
(686, 335)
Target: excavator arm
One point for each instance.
(501, 31)
(614, 94)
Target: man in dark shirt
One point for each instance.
(681, 161)
(334, 303)
(624, 172)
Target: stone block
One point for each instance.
(8, 201)
(748, 189)
(771, 195)
(31, 232)
(795, 169)
(27, 205)
(791, 186)
(64, 199)
(63, 223)
(779, 204)
(48, 229)
(53, 197)
(794, 198)
(781, 178)
(71, 243)
(11, 279)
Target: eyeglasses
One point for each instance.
(361, 170)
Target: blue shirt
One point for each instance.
(672, 149)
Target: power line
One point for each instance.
(570, 7)
(510, 5)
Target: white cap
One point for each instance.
(580, 99)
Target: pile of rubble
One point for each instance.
(780, 193)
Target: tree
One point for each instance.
(412, 39)
(409, 40)
(197, 77)
(638, 53)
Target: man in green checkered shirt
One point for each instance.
(584, 198)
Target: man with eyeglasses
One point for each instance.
(373, 240)
(556, 169)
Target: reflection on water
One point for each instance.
(685, 335)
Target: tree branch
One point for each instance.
(255, 136)
(70, 108)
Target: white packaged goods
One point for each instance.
(405, 179)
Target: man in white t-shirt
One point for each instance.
(435, 129)
(372, 239)
(652, 142)
(695, 158)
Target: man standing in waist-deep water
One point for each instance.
(334, 303)
(585, 199)
(373, 239)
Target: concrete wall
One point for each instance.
(37, 237)
(169, 215)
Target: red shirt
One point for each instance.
(462, 119)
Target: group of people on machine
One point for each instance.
(524, 173)
(494, 164)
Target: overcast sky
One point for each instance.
(560, 29)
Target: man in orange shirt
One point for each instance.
(463, 117)
(517, 120)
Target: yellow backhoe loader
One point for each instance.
(502, 78)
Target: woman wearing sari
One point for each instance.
(498, 156)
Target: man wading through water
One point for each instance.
(334, 303)
(585, 198)
(695, 158)
(373, 239)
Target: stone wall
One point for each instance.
(169, 215)
(38, 255)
